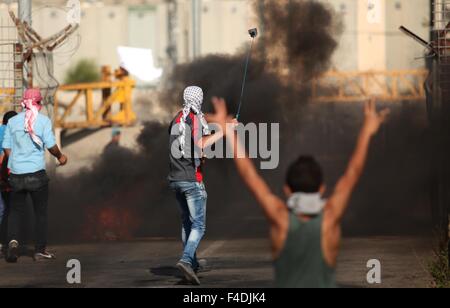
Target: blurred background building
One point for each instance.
(179, 30)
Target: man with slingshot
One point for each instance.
(189, 136)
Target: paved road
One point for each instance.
(234, 263)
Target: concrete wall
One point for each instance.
(102, 29)
(147, 29)
(369, 41)
(371, 35)
(401, 51)
(346, 57)
(381, 45)
(224, 26)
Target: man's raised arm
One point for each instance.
(338, 202)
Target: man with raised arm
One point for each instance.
(189, 137)
(305, 230)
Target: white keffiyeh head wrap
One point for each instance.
(193, 101)
(32, 105)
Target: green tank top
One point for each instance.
(301, 264)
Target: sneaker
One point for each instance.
(188, 273)
(43, 256)
(12, 255)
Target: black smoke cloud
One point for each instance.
(300, 36)
(297, 44)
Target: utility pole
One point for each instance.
(24, 15)
(196, 28)
(172, 28)
(25, 11)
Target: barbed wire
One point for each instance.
(42, 71)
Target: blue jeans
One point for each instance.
(191, 197)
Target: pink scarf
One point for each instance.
(32, 105)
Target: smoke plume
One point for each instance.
(127, 191)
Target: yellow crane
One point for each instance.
(114, 109)
(347, 87)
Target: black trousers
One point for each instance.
(4, 224)
(34, 185)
